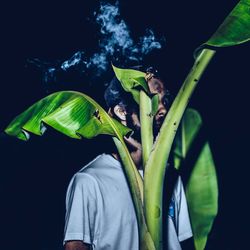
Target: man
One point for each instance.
(99, 208)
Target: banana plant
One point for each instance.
(77, 115)
(156, 161)
(233, 31)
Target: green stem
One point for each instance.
(130, 168)
(136, 188)
(146, 120)
(157, 162)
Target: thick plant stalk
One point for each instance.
(157, 162)
(146, 120)
(131, 171)
(136, 188)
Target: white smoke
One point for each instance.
(115, 32)
(115, 44)
(77, 59)
(98, 60)
(115, 41)
(149, 43)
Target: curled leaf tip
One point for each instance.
(233, 31)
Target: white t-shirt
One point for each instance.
(100, 211)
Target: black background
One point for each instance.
(35, 174)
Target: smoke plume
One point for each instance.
(115, 44)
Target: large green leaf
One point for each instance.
(71, 113)
(77, 115)
(192, 151)
(132, 81)
(234, 30)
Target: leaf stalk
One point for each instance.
(157, 162)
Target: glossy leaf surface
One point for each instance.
(132, 81)
(234, 30)
(71, 113)
(236, 27)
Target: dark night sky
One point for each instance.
(34, 175)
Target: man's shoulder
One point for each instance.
(103, 162)
(100, 166)
(90, 164)
(102, 171)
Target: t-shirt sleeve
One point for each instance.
(184, 230)
(81, 219)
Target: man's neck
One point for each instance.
(137, 163)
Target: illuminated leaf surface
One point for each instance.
(236, 27)
(234, 30)
(71, 113)
(132, 81)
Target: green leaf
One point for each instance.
(77, 115)
(155, 104)
(146, 121)
(234, 30)
(236, 27)
(146, 242)
(189, 127)
(202, 187)
(71, 113)
(132, 81)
